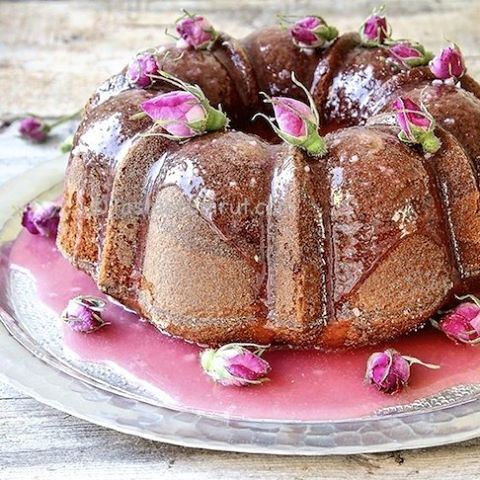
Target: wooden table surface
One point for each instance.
(52, 54)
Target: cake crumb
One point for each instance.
(356, 312)
(405, 216)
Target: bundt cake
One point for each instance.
(236, 235)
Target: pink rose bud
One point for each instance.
(375, 30)
(298, 125)
(292, 116)
(179, 113)
(41, 219)
(449, 63)
(297, 122)
(184, 113)
(34, 129)
(411, 55)
(84, 314)
(462, 324)
(416, 125)
(389, 371)
(195, 32)
(312, 32)
(235, 364)
(141, 68)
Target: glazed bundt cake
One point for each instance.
(235, 235)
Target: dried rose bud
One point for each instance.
(184, 113)
(462, 324)
(416, 125)
(34, 129)
(297, 123)
(141, 68)
(389, 371)
(84, 314)
(312, 32)
(375, 30)
(410, 54)
(449, 63)
(41, 218)
(195, 32)
(235, 364)
(180, 113)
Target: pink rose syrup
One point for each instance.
(304, 385)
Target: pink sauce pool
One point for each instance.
(305, 385)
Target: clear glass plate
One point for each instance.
(33, 361)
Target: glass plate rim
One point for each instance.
(52, 172)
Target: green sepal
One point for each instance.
(216, 119)
(427, 139)
(430, 142)
(327, 32)
(312, 143)
(315, 144)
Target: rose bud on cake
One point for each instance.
(34, 129)
(410, 54)
(84, 314)
(416, 125)
(389, 371)
(195, 32)
(312, 32)
(449, 63)
(462, 324)
(141, 68)
(375, 30)
(297, 122)
(41, 219)
(183, 113)
(235, 364)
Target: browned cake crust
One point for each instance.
(229, 237)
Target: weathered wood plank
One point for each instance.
(16, 155)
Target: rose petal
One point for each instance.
(196, 31)
(140, 69)
(292, 116)
(375, 29)
(448, 63)
(247, 365)
(33, 129)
